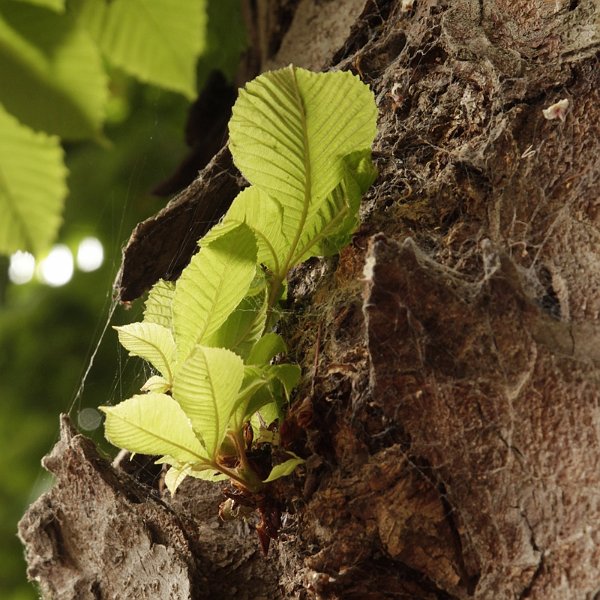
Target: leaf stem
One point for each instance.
(247, 476)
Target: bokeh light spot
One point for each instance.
(90, 254)
(57, 268)
(21, 267)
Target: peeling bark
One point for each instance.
(454, 449)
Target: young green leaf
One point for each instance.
(156, 383)
(264, 216)
(243, 327)
(175, 476)
(206, 386)
(151, 342)
(153, 424)
(211, 286)
(207, 473)
(285, 468)
(266, 349)
(158, 306)
(178, 472)
(31, 211)
(255, 382)
(269, 412)
(290, 130)
(288, 375)
(329, 228)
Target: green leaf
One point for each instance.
(266, 349)
(156, 383)
(157, 41)
(53, 78)
(55, 5)
(254, 386)
(270, 411)
(178, 472)
(206, 386)
(175, 476)
(158, 307)
(289, 132)
(328, 229)
(243, 327)
(262, 398)
(207, 473)
(264, 216)
(151, 342)
(32, 187)
(153, 424)
(285, 468)
(278, 382)
(211, 287)
(225, 40)
(288, 375)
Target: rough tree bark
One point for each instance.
(454, 447)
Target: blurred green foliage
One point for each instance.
(47, 335)
(53, 79)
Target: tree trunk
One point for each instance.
(451, 353)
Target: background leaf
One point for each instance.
(211, 287)
(157, 41)
(31, 213)
(151, 342)
(152, 424)
(206, 387)
(52, 74)
(55, 5)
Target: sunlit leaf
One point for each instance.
(206, 386)
(153, 424)
(290, 131)
(178, 472)
(243, 327)
(53, 78)
(151, 342)
(156, 383)
(174, 477)
(211, 287)
(254, 385)
(32, 187)
(157, 41)
(55, 5)
(285, 468)
(328, 229)
(207, 473)
(157, 308)
(264, 216)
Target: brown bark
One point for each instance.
(454, 448)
